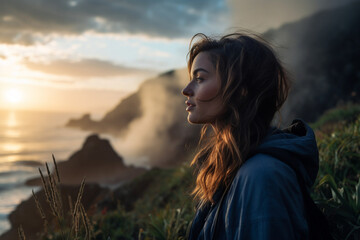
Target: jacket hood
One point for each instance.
(296, 146)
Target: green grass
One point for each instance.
(337, 189)
(162, 207)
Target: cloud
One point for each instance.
(84, 68)
(264, 14)
(27, 21)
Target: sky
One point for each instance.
(86, 55)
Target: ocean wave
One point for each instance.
(33, 152)
(12, 173)
(29, 163)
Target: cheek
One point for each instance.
(208, 92)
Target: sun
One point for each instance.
(13, 95)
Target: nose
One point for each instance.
(187, 91)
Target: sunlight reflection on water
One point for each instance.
(11, 147)
(12, 120)
(12, 133)
(27, 140)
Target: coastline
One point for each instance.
(97, 162)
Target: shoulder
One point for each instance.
(267, 187)
(265, 177)
(264, 202)
(264, 168)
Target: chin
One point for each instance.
(194, 120)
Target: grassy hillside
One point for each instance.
(337, 189)
(158, 205)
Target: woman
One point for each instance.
(248, 173)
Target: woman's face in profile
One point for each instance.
(204, 103)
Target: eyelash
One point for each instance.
(198, 79)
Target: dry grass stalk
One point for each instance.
(86, 226)
(71, 209)
(79, 196)
(55, 192)
(57, 182)
(54, 195)
(87, 223)
(45, 186)
(21, 233)
(76, 224)
(42, 214)
(48, 195)
(41, 211)
(52, 190)
(56, 169)
(76, 211)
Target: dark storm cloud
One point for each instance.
(22, 20)
(84, 68)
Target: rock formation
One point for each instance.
(98, 162)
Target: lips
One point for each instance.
(190, 105)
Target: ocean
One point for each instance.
(27, 140)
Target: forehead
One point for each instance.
(203, 61)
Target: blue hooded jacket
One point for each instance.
(264, 201)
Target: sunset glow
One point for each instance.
(13, 95)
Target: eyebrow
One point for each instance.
(199, 70)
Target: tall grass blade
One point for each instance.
(21, 233)
(330, 180)
(41, 211)
(56, 169)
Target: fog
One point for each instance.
(161, 133)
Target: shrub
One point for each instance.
(117, 224)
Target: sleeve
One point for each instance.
(266, 204)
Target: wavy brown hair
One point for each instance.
(254, 86)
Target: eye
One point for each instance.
(199, 79)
